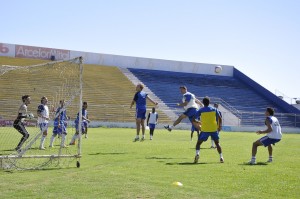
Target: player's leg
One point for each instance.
(86, 129)
(270, 150)
(143, 129)
(201, 138)
(72, 142)
(177, 121)
(21, 129)
(138, 129)
(44, 130)
(256, 144)
(215, 137)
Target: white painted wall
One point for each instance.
(33, 52)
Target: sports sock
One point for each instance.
(51, 140)
(197, 152)
(43, 141)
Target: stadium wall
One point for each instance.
(33, 52)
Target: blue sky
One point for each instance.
(261, 38)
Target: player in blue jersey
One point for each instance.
(59, 125)
(211, 124)
(189, 103)
(43, 119)
(273, 136)
(140, 99)
(212, 141)
(84, 124)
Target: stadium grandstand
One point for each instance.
(109, 85)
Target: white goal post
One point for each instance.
(57, 81)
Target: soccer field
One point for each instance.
(113, 166)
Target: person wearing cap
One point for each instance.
(190, 104)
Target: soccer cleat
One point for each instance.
(221, 160)
(252, 162)
(151, 138)
(270, 160)
(51, 146)
(72, 143)
(42, 148)
(86, 136)
(196, 159)
(136, 139)
(142, 139)
(168, 127)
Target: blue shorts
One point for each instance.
(204, 136)
(193, 128)
(43, 126)
(140, 114)
(59, 130)
(151, 126)
(266, 141)
(82, 127)
(190, 112)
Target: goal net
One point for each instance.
(58, 80)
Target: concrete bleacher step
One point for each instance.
(161, 105)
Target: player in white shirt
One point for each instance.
(152, 122)
(190, 104)
(273, 136)
(43, 119)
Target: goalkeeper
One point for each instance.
(19, 122)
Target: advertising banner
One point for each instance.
(41, 53)
(7, 50)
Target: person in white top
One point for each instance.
(273, 136)
(43, 119)
(152, 122)
(190, 104)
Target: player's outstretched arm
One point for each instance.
(153, 102)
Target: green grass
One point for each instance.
(113, 166)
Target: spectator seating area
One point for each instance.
(243, 98)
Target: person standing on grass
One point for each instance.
(152, 121)
(140, 99)
(59, 124)
(211, 124)
(83, 125)
(43, 119)
(273, 136)
(19, 121)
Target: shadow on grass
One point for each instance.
(159, 158)
(106, 153)
(257, 164)
(185, 163)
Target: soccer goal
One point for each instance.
(58, 80)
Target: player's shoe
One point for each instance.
(270, 160)
(51, 146)
(252, 162)
(42, 148)
(64, 146)
(142, 139)
(72, 143)
(168, 127)
(86, 136)
(221, 160)
(151, 138)
(136, 139)
(196, 159)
